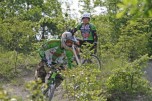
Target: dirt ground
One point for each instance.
(148, 71)
(28, 75)
(20, 91)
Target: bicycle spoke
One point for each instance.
(93, 61)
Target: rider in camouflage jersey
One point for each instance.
(88, 30)
(55, 51)
(51, 51)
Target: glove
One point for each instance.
(95, 43)
(49, 65)
(44, 59)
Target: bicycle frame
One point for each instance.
(53, 74)
(81, 61)
(75, 54)
(52, 84)
(52, 77)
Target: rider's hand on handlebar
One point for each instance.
(95, 43)
(77, 42)
(49, 65)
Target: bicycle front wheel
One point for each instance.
(51, 91)
(93, 61)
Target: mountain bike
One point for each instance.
(91, 59)
(53, 80)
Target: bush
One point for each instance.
(129, 80)
(11, 61)
(84, 84)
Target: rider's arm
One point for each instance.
(73, 31)
(46, 46)
(94, 32)
(69, 55)
(95, 36)
(41, 53)
(76, 28)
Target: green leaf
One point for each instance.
(120, 14)
(134, 2)
(126, 2)
(121, 5)
(150, 13)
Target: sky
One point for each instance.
(74, 6)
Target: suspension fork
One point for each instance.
(75, 54)
(51, 79)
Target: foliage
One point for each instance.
(134, 39)
(35, 88)
(9, 65)
(128, 79)
(124, 35)
(4, 95)
(84, 84)
(135, 8)
(87, 7)
(15, 35)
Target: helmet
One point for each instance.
(86, 15)
(66, 36)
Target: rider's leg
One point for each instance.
(94, 48)
(59, 80)
(48, 56)
(40, 71)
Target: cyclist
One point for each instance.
(55, 51)
(88, 31)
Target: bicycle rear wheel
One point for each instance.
(93, 61)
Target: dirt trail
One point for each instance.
(19, 90)
(59, 95)
(149, 71)
(17, 87)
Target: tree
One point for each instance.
(135, 8)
